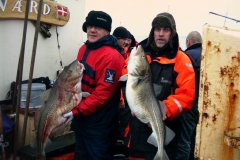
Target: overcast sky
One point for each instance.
(137, 15)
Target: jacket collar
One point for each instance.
(197, 45)
(107, 40)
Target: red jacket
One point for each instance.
(103, 67)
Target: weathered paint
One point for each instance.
(218, 133)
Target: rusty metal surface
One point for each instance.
(218, 133)
(232, 140)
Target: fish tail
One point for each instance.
(40, 150)
(163, 156)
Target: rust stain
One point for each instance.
(214, 118)
(217, 48)
(232, 142)
(228, 49)
(209, 43)
(230, 72)
(236, 58)
(230, 76)
(207, 100)
(227, 153)
(232, 106)
(205, 115)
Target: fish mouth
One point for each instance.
(81, 66)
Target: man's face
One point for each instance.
(161, 36)
(95, 33)
(123, 42)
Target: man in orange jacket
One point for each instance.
(173, 79)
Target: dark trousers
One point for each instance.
(179, 148)
(124, 119)
(193, 139)
(184, 126)
(93, 147)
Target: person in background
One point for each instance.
(126, 41)
(123, 38)
(194, 49)
(173, 79)
(132, 43)
(95, 121)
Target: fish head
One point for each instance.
(71, 75)
(74, 69)
(138, 64)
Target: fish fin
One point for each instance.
(37, 115)
(152, 139)
(48, 143)
(163, 109)
(60, 130)
(157, 89)
(164, 156)
(123, 78)
(169, 135)
(57, 131)
(85, 94)
(45, 94)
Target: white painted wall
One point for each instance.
(47, 59)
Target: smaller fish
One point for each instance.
(63, 96)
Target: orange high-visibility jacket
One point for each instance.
(177, 78)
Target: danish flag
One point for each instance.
(62, 11)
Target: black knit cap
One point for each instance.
(164, 19)
(121, 32)
(98, 19)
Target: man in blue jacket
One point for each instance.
(194, 49)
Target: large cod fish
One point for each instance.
(63, 96)
(142, 101)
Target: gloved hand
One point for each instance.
(68, 116)
(163, 109)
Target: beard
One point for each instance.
(160, 43)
